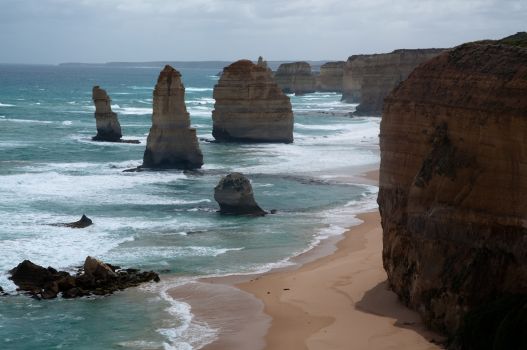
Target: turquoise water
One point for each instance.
(166, 221)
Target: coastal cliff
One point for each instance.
(330, 77)
(250, 106)
(171, 142)
(453, 192)
(108, 127)
(368, 79)
(295, 78)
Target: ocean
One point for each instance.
(166, 221)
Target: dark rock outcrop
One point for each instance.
(330, 77)
(108, 127)
(368, 79)
(234, 194)
(96, 278)
(295, 78)
(250, 107)
(171, 143)
(82, 223)
(453, 192)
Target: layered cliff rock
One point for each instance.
(250, 106)
(171, 143)
(368, 79)
(108, 127)
(330, 77)
(295, 78)
(453, 192)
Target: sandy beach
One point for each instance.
(339, 300)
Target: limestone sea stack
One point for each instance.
(453, 192)
(368, 79)
(171, 143)
(295, 78)
(330, 77)
(108, 127)
(234, 194)
(250, 106)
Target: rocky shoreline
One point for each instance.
(94, 278)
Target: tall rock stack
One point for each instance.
(330, 77)
(250, 106)
(453, 191)
(171, 143)
(368, 79)
(295, 78)
(108, 127)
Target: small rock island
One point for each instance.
(235, 196)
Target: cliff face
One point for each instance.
(171, 142)
(295, 78)
(250, 106)
(330, 77)
(108, 127)
(368, 79)
(453, 186)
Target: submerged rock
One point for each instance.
(96, 278)
(250, 106)
(235, 196)
(108, 127)
(452, 192)
(171, 143)
(295, 78)
(82, 223)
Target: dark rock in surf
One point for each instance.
(82, 223)
(235, 196)
(95, 278)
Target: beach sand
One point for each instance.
(337, 301)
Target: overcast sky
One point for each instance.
(53, 31)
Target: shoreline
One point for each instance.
(340, 301)
(334, 297)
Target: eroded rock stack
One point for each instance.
(330, 77)
(96, 278)
(108, 127)
(234, 194)
(453, 191)
(295, 78)
(368, 79)
(250, 106)
(171, 143)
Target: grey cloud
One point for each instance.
(51, 31)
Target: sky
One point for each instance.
(55, 31)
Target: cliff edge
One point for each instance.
(453, 193)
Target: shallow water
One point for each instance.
(166, 221)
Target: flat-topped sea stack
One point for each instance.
(295, 78)
(171, 143)
(368, 79)
(108, 127)
(453, 192)
(330, 77)
(250, 106)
